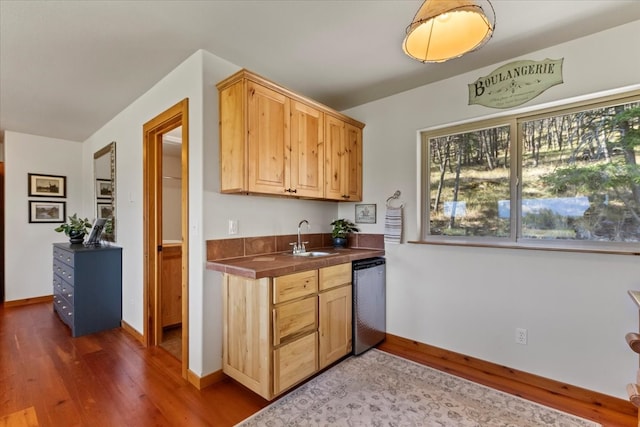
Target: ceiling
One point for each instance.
(68, 67)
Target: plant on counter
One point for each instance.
(341, 230)
(75, 228)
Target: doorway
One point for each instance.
(165, 157)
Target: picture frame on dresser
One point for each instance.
(43, 211)
(47, 185)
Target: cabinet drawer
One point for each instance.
(336, 275)
(63, 256)
(294, 362)
(292, 286)
(294, 318)
(63, 270)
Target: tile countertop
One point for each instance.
(279, 264)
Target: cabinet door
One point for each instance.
(343, 160)
(294, 362)
(335, 325)
(334, 147)
(353, 163)
(268, 137)
(307, 151)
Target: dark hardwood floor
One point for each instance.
(110, 379)
(103, 379)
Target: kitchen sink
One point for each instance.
(313, 254)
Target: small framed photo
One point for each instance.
(104, 210)
(104, 189)
(366, 214)
(47, 185)
(41, 211)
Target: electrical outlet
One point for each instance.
(521, 336)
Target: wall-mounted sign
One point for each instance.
(516, 83)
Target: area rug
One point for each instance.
(379, 389)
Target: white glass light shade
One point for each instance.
(443, 29)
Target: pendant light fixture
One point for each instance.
(447, 29)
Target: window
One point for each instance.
(565, 179)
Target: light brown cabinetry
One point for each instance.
(276, 334)
(272, 141)
(335, 308)
(171, 291)
(343, 157)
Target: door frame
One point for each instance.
(176, 116)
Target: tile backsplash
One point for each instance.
(246, 246)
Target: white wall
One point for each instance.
(470, 300)
(28, 251)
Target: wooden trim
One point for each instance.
(175, 116)
(28, 301)
(607, 410)
(207, 380)
(250, 75)
(134, 333)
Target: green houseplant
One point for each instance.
(341, 230)
(75, 228)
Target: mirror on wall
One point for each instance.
(104, 170)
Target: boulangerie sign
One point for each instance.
(516, 83)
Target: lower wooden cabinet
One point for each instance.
(171, 290)
(294, 362)
(279, 331)
(335, 324)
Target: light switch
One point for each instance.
(233, 226)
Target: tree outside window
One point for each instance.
(574, 182)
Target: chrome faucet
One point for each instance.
(299, 247)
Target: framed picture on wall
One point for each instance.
(366, 214)
(46, 211)
(104, 189)
(104, 210)
(47, 185)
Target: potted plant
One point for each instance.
(75, 228)
(341, 230)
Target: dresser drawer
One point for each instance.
(64, 309)
(292, 286)
(63, 270)
(63, 256)
(294, 318)
(63, 289)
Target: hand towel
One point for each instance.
(393, 225)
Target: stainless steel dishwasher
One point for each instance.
(369, 303)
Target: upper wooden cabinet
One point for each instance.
(343, 152)
(272, 141)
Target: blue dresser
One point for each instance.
(87, 287)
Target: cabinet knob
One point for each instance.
(69, 314)
(69, 295)
(64, 307)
